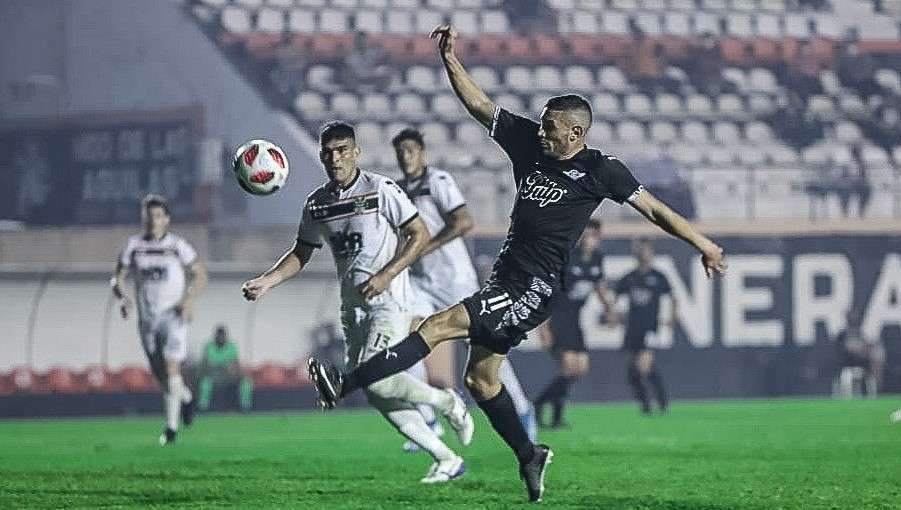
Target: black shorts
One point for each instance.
(636, 339)
(567, 330)
(505, 309)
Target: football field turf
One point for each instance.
(709, 455)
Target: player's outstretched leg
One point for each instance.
(420, 372)
(332, 385)
(521, 402)
(409, 422)
(636, 380)
(483, 382)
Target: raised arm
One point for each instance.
(674, 224)
(285, 268)
(473, 98)
(416, 236)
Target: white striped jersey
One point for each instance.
(158, 269)
(360, 224)
(436, 195)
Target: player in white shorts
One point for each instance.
(363, 217)
(157, 260)
(444, 274)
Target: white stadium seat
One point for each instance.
(410, 106)
(310, 105)
(399, 22)
(612, 78)
(736, 76)
(600, 135)
(369, 21)
(668, 105)
(762, 80)
(744, 5)
(847, 132)
(614, 23)
(377, 106)
(830, 82)
(874, 156)
(768, 26)
(740, 25)
(345, 104)
(888, 79)
(677, 23)
(519, 78)
(584, 22)
(250, 4)
(579, 78)
(301, 21)
(772, 5)
(421, 78)
(470, 134)
(321, 77)
(465, 22)
(649, 22)
(495, 22)
(761, 104)
(638, 104)
(796, 26)
(486, 78)
(730, 105)
(631, 132)
(698, 105)
(782, 154)
(333, 21)
(695, 132)
(820, 105)
(605, 104)
(427, 19)
(447, 107)
(726, 133)
(663, 132)
(270, 21)
(369, 134)
(548, 78)
(236, 20)
(706, 22)
(511, 102)
(852, 103)
(759, 133)
(434, 134)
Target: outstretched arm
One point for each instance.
(285, 268)
(459, 222)
(674, 224)
(473, 98)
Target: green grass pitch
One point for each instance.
(705, 455)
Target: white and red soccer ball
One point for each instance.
(261, 167)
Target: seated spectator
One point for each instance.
(792, 123)
(857, 70)
(366, 66)
(705, 67)
(884, 128)
(856, 350)
(804, 76)
(529, 17)
(646, 64)
(220, 367)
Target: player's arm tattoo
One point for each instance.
(415, 238)
(457, 224)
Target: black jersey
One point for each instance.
(644, 290)
(580, 278)
(555, 199)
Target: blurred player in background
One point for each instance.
(644, 287)
(443, 274)
(220, 366)
(560, 182)
(375, 233)
(168, 276)
(562, 333)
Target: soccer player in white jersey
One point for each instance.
(375, 233)
(444, 274)
(168, 276)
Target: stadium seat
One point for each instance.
(663, 132)
(828, 26)
(685, 154)
(614, 23)
(726, 133)
(345, 105)
(410, 107)
(695, 133)
(730, 105)
(888, 79)
(311, 105)
(739, 25)
(548, 78)
(830, 83)
(605, 104)
(638, 105)
(612, 79)
(699, 105)
(510, 101)
(519, 78)
(62, 380)
(405, 4)
(706, 22)
(847, 132)
(447, 107)
(853, 104)
(668, 105)
(215, 3)
(624, 5)
(683, 5)
(581, 22)
(761, 104)
(495, 22)
(333, 21)
(630, 132)
(301, 21)
(736, 76)
(815, 155)
(421, 78)
(874, 156)
(759, 133)
(896, 155)
(600, 135)
(579, 78)
(369, 21)
(372, 4)
(377, 106)
(772, 5)
(654, 5)
(743, 5)
(762, 80)
(465, 22)
(768, 26)
(781, 154)
(427, 19)
(486, 78)
(677, 24)
(443, 5)
(369, 134)
(714, 5)
(879, 27)
(820, 105)
(24, 379)
(434, 133)
(235, 20)
(399, 22)
(796, 26)
(722, 157)
(270, 20)
(136, 379)
(649, 22)
(311, 3)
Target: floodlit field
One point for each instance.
(724, 455)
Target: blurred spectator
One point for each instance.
(792, 123)
(220, 367)
(705, 67)
(292, 60)
(530, 17)
(857, 70)
(884, 127)
(856, 350)
(366, 65)
(804, 76)
(663, 177)
(817, 5)
(646, 64)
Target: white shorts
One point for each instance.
(368, 330)
(167, 333)
(428, 298)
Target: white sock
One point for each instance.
(410, 423)
(419, 371)
(404, 386)
(172, 402)
(177, 385)
(511, 382)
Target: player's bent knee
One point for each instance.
(480, 387)
(448, 324)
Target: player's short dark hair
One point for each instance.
(408, 134)
(154, 200)
(336, 130)
(570, 103)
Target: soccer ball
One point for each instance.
(261, 167)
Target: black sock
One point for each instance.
(385, 363)
(502, 414)
(641, 394)
(560, 401)
(659, 390)
(551, 392)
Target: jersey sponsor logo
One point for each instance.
(362, 204)
(346, 244)
(574, 174)
(540, 188)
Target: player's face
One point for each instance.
(555, 134)
(410, 157)
(339, 156)
(645, 254)
(156, 221)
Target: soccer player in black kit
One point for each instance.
(644, 287)
(560, 182)
(562, 333)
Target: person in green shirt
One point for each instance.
(220, 366)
